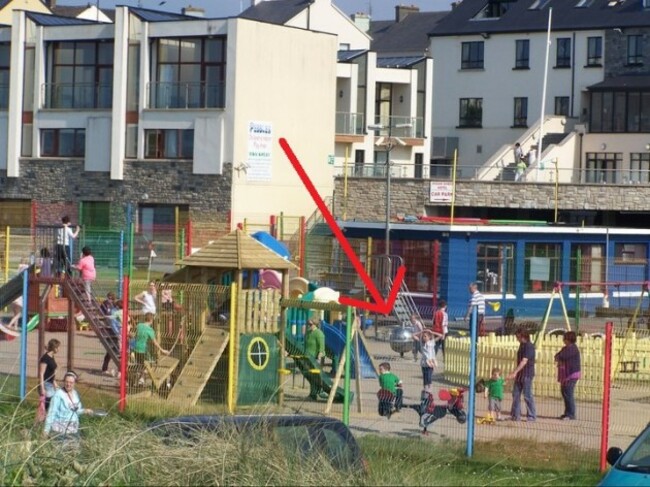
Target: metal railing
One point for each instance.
(191, 95)
(350, 123)
(77, 95)
(412, 127)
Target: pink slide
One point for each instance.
(270, 279)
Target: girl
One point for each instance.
(47, 371)
(428, 360)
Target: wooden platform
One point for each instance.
(199, 366)
(161, 370)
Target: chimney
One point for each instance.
(256, 2)
(50, 4)
(193, 11)
(362, 21)
(401, 11)
(455, 4)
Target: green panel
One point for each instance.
(259, 360)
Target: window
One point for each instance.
(471, 112)
(639, 167)
(563, 55)
(169, 144)
(5, 53)
(383, 106)
(562, 105)
(96, 214)
(82, 75)
(190, 73)
(629, 253)
(542, 264)
(635, 50)
(619, 111)
(521, 112)
(602, 167)
(494, 261)
(594, 51)
(588, 263)
(472, 55)
(63, 142)
(522, 54)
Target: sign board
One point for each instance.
(330, 159)
(440, 192)
(260, 144)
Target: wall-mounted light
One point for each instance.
(485, 35)
(603, 146)
(647, 147)
(341, 94)
(401, 98)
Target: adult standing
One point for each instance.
(47, 372)
(64, 236)
(63, 417)
(519, 153)
(314, 348)
(523, 377)
(476, 300)
(568, 373)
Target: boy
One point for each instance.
(441, 326)
(494, 393)
(144, 334)
(389, 383)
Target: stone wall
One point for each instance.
(615, 49)
(367, 197)
(58, 185)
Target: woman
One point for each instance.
(568, 373)
(63, 416)
(47, 371)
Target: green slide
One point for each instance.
(306, 364)
(31, 324)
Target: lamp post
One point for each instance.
(390, 144)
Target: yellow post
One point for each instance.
(232, 349)
(345, 185)
(453, 186)
(244, 226)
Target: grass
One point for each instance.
(118, 450)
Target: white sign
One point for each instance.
(260, 145)
(440, 192)
(540, 269)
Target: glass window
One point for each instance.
(472, 55)
(542, 266)
(619, 112)
(562, 105)
(635, 49)
(563, 55)
(63, 142)
(494, 261)
(630, 253)
(521, 112)
(594, 51)
(602, 167)
(645, 112)
(522, 53)
(633, 112)
(588, 263)
(169, 144)
(471, 112)
(639, 167)
(96, 214)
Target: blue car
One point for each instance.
(631, 468)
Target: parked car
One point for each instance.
(301, 436)
(631, 468)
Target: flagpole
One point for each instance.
(541, 120)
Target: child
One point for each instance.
(390, 391)
(428, 360)
(494, 393)
(144, 333)
(86, 267)
(417, 326)
(441, 326)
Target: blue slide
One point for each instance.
(335, 343)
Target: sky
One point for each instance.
(381, 9)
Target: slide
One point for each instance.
(31, 324)
(335, 343)
(307, 364)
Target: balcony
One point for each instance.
(350, 123)
(77, 96)
(414, 129)
(195, 95)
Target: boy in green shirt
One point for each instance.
(315, 349)
(494, 393)
(390, 393)
(144, 333)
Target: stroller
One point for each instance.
(429, 412)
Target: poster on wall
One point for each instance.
(440, 192)
(260, 145)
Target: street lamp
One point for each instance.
(390, 142)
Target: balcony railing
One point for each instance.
(187, 95)
(415, 127)
(350, 123)
(4, 97)
(77, 95)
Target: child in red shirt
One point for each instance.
(86, 267)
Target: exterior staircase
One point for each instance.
(383, 270)
(199, 366)
(552, 138)
(100, 324)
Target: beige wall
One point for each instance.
(286, 77)
(29, 5)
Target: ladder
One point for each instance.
(382, 271)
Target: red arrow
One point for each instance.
(379, 306)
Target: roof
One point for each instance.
(56, 20)
(629, 82)
(275, 11)
(76, 10)
(567, 15)
(4, 3)
(345, 56)
(237, 250)
(408, 35)
(399, 61)
(157, 16)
